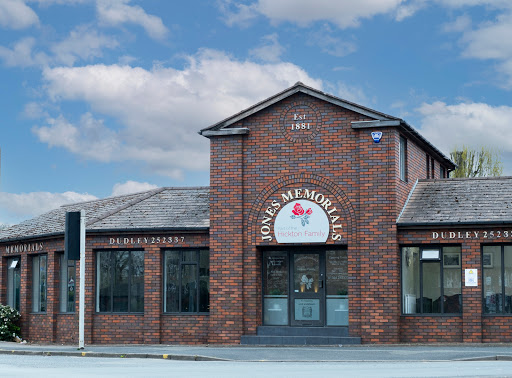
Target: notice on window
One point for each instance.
(471, 277)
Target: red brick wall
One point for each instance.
(226, 240)
(476, 327)
(430, 329)
(496, 329)
(248, 172)
(274, 164)
(150, 327)
(186, 329)
(66, 328)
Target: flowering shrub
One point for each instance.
(9, 320)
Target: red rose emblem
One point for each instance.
(309, 211)
(298, 210)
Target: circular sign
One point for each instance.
(301, 222)
(300, 122)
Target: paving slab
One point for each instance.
(370, 353)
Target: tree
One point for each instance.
(476, 163)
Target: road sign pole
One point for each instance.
(81, 305)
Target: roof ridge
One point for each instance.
(297, 87)
(487, 178)
(144, 197)
(101, 199)
(184, 187)
(407, 200)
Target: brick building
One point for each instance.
(325, 223)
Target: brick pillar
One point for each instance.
(226, 241)
(52, 294)
(152, 295)
(90, 293)
(471, 295)
(378, 253)
(25, 295)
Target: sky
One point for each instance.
(106, 97)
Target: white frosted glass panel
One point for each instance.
(337, 311)
(275, 310)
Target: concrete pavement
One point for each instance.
(368, 353)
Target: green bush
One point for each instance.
(9, 320)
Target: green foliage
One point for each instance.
(476, 163)
(9, 323)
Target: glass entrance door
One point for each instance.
(307, 294)
(305, 287)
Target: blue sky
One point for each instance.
(105, 97)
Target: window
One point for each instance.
(431, 280)
(497, 276)
(67, 284)
(275, 288)
(442, 172)
(120, 281)
(13, 282)
(39, 283)
(403, 159)
(186, 280)
(430, 167)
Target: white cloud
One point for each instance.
(472, 3)
(162, 109)
(89, 140)
(15, 208)
(460, 24)
(491, 41)
(506, 69)
(15, 14)
(18, 207)
(471, 124)
(118, 12)
(21, 54)
(237, 14)
(344, 14)
(83, 42)
(270, 51)
(488, 41)
(60, 2)
(411, 7)
(130, 187)
(34, 110)
(351, 93)
(328, 43)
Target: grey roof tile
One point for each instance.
(178, 208)
(459, 201)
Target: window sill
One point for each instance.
(119, 313)
(185, 313)
(432, 314)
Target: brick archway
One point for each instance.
(301, 179)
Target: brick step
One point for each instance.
(298, 340)
(302, 331)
